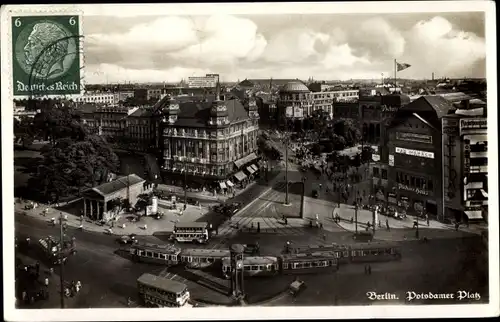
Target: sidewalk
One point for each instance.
(165, 224)
(347, 212)
(204, 195)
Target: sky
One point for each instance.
(321, 46)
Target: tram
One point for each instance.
(156, 254)
(253, 266)
(317, 262)
(201, 258)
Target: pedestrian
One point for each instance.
(24, 295)
(37, 266)
(379, 224)
(129, 302)
(415, 224)
(51, 270)
(369, 270)
(286, 221)
(352, 220)
(456, 226)
(28, 240)
(387, 224)
(321, 225)
(427, 219)
(324, 237)
(258, 227)
(46, 281)
(366, 269)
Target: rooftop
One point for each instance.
(295, 87)
(109, 188)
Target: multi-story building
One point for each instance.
(104, 98)
(207, 142)
(414, 176)
(109, 122)
(123, 95)
(147, 94)
(294, 102)
(266, 104)
(465, 165)
(207, 81)
(139, 134)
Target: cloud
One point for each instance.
(171, 48)
(435, 46)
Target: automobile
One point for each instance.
(315, 193)
(252, 249)
(191, 201)
(159, 215)
(127, 239)
(232, 208)
(296, 287)
(218, 208)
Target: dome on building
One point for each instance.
(295, 87)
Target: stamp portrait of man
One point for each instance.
(46, 49)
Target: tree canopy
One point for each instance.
(69, 166)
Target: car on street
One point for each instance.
(296, 287)
(127, 239)
(315, 193)
(232, 208)
(191, 201)
(252, 249)
(218, 208)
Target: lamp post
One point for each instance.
(61, 265)
(286, 168)
(185, 183)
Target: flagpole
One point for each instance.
(395, 76)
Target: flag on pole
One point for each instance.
(402, 66)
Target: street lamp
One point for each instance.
(185, 183)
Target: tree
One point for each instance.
(366, 154)
(24, 131)
(349, 130)
(68, 167)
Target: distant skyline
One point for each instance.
(323, 46)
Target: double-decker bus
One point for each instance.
(156, 291)
(196, 232)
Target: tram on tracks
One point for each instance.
(253, 266)
(155, 253)
(305, 263)
(362, 252)
(201, 258)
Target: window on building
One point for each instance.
(430, 186)
(376, 172)
(384, 174)
(412, 181)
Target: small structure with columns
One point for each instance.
(96, 199)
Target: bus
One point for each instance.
(156, 291)
(196, 232)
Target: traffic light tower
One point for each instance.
(237, 283)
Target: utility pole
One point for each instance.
(286, 160)
(60, 258)
(185, 183)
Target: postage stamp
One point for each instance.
(258, 161)
(46, 55)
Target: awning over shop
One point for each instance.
(475, 138)
(222, 185)
(250, 169)
(249, 158)
(240, 175)
(474, 214)
(229, 183)
(484, 193)
(254, 167)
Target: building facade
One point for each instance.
(97, 201)
(207, 142)
(99, 98)
(208, 81)
(465, 166)
(294, 102)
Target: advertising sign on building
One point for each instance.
(450, 126)
(466, 158)
(376, 157)
(289, 111)
(391, 160)
(473, 126)
(298, 112)
(416, 190)
(414, 137)
(415, 153)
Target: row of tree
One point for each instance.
(73, 160)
